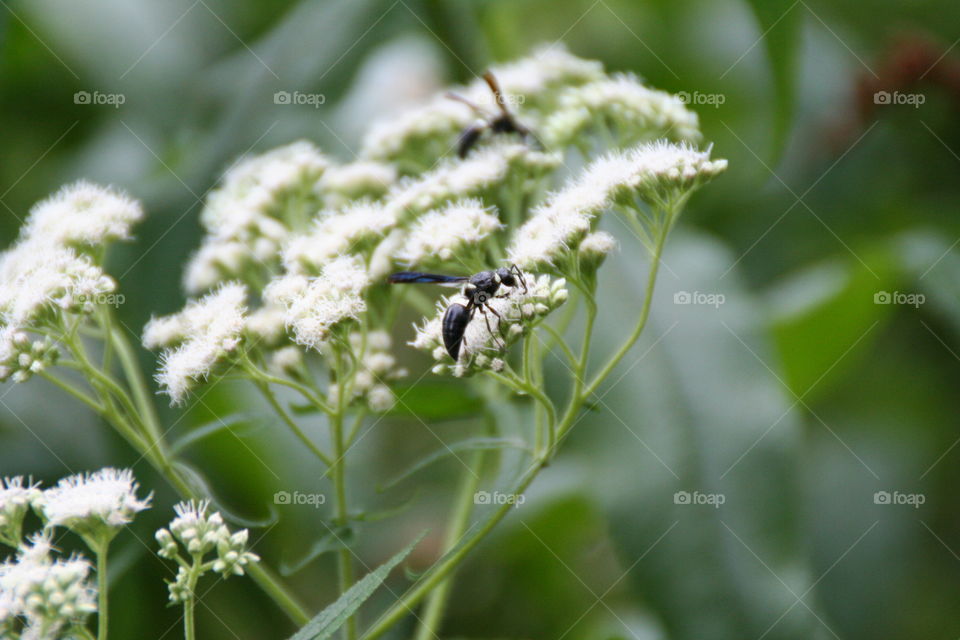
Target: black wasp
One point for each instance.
(478, 291)
(502, 123)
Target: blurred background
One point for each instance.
(785, 464)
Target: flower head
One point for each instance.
(622, 104)
(93, 505)
(16, 497)
(200, 533)
(83, 214)
(205, 333)
(353, 230)
(315, 306)
(439, 235)
(356, 181)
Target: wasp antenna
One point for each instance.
(456, 96)
(497, 93)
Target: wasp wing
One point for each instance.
(416, 277)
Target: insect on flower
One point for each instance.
(502, 123)
(478, 291)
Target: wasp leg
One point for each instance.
(483, 310)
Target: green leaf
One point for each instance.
(471, 444)
(434, 401)
(326, 623)
(779, 22)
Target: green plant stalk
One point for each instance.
(190, 604)
(436, 574)
(342, 513)
(297, 431)
(102, 592)
(463, 507)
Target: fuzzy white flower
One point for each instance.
(21, 357)
(93, 504)
(197, 338)
(349, 231)
(622, 104)
(487, 337)
(595, 247)
(441, 234)
(478, 174)
(356, 180)
(38, 276)
(83, 214)
(267, 324)
(316, 305)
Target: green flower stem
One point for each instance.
(137, 383)
(342, 512)
(638, 328)
(189, 605)
(259, 374)
(432, 615)
(73, 391)
(297, 431)
(102, 591)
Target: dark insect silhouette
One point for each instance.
(478, 289)
(503, 122)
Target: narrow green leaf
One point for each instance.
(331, 540)
(779, 22)
(326, 623)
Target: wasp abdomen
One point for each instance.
(455, 322)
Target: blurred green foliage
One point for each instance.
(797, 399)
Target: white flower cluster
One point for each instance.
(50, 270)
(249, 216)
(487, 338)
(93, 505)
(315, 306)
(655, 173)
(16, 497)
(439, 235)
(621, 104)
(200, 533)
(377, 367)
(355, 229)
(43, 595)
(197, 338)
(417, 138)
